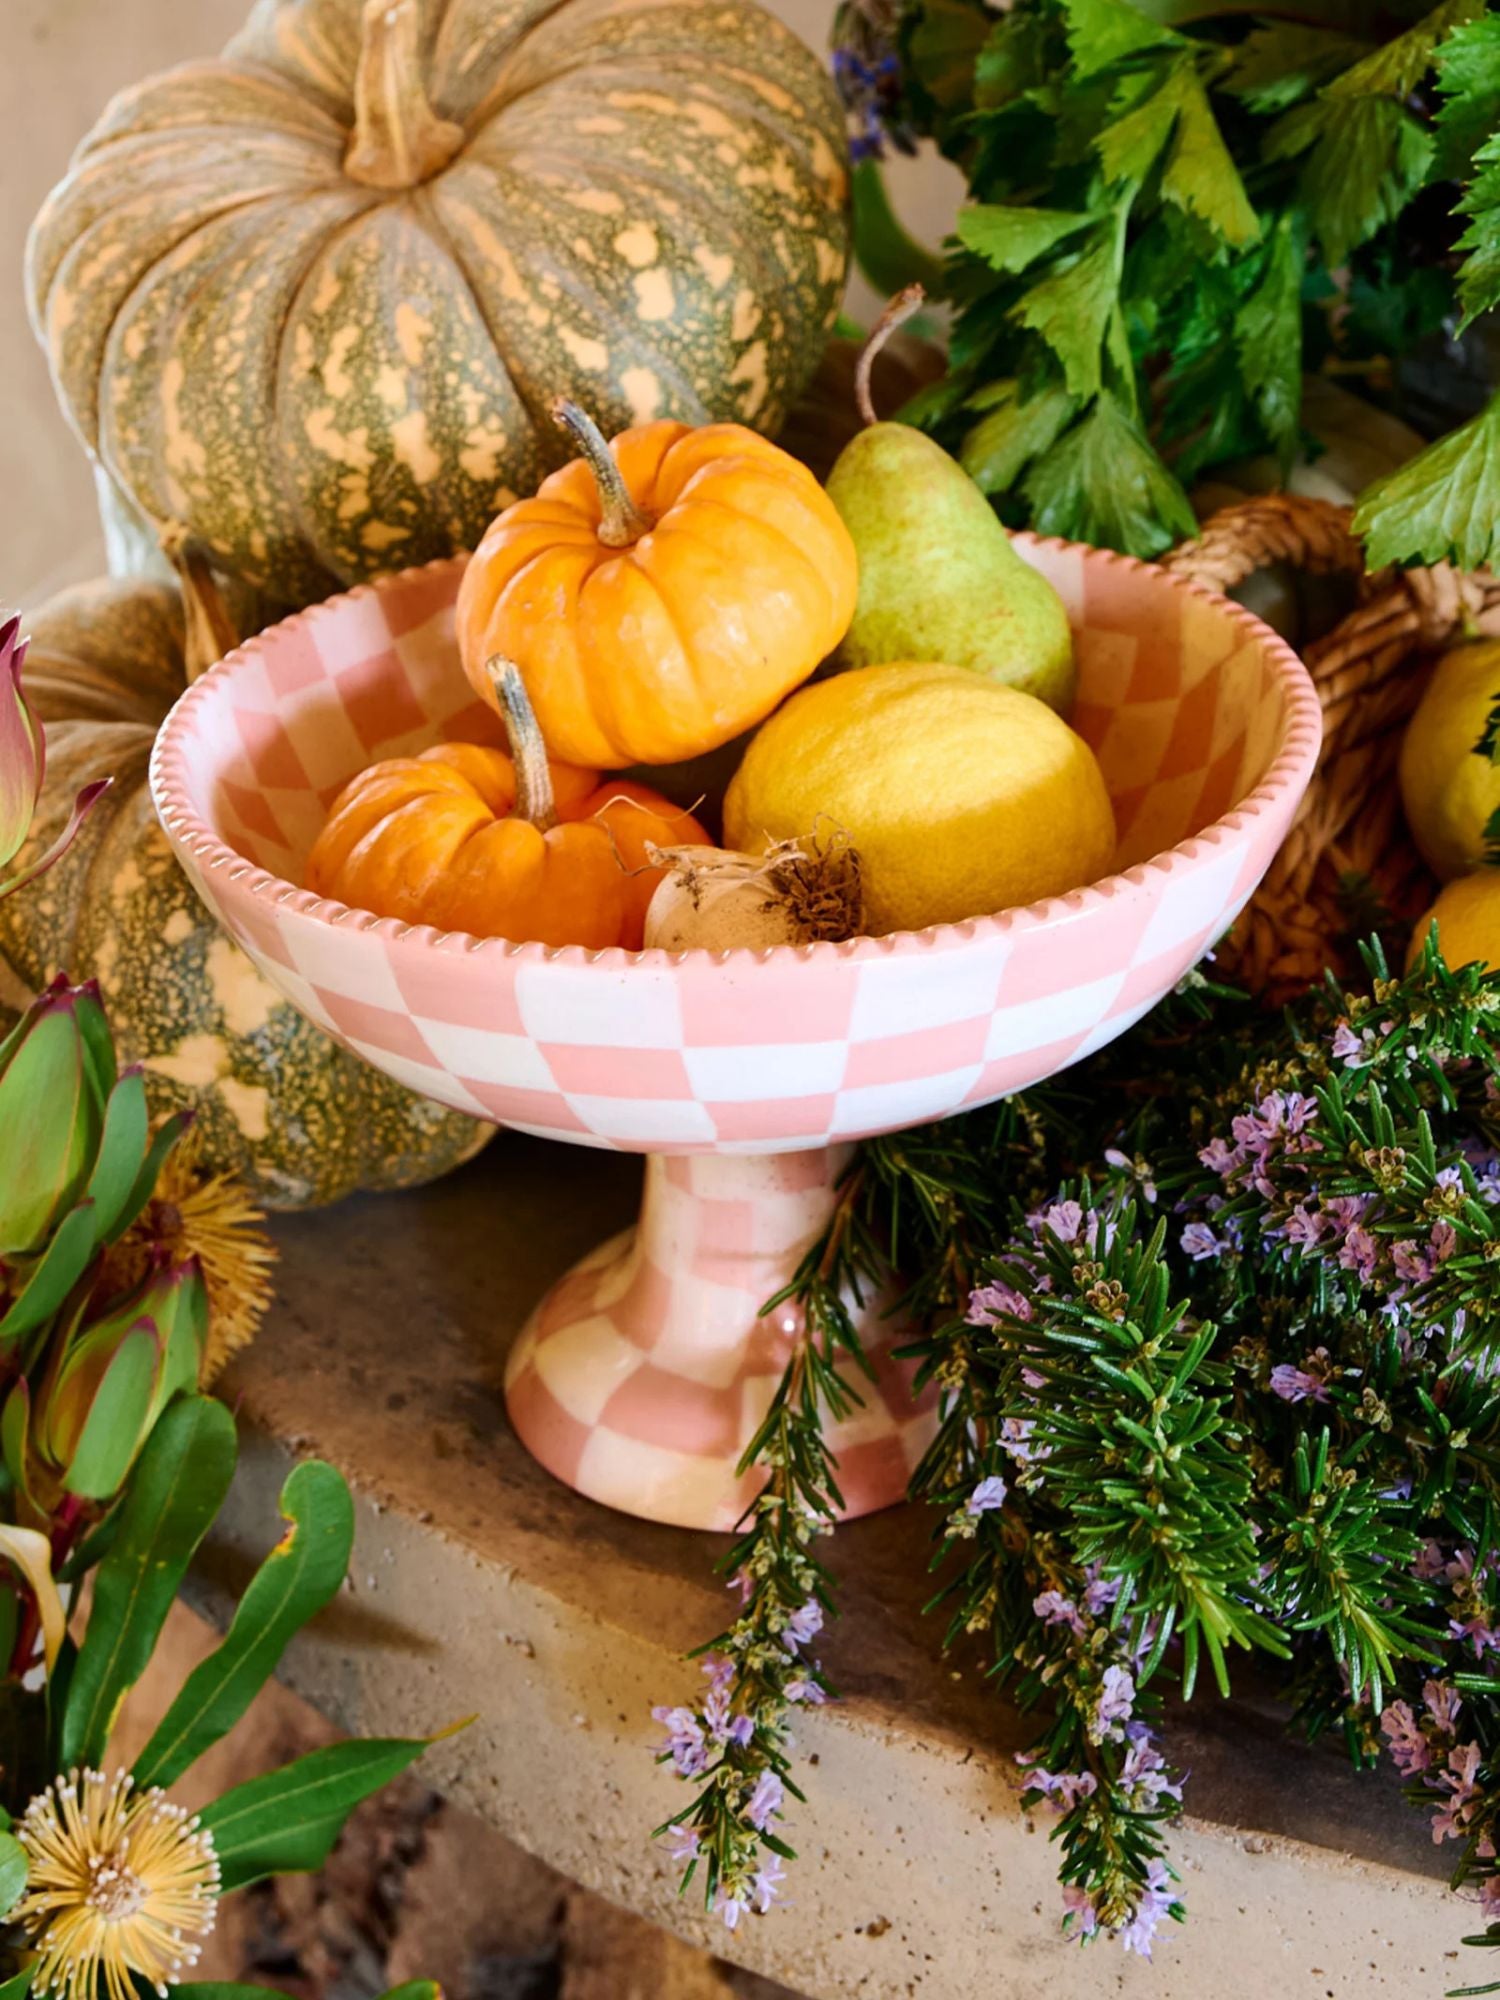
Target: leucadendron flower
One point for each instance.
(23, 767)
(56, 1074)
(112, 1374)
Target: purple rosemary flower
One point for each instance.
(1080, 1918)
(1200, 1242)
(684, 1743)
(1450, 1820)
(768, 1879)
(804, 1624)
(1113, 1703)
(1359, 1253)
(1347, 1047)
(1297, 1385)
(806, 1691)
(765, 1802)
(684, 1841)
(1055, 1609)
(1409, 1748)
(1220, 1157)
(1430, 1561)
(1062, 1788)
(1064, 1220)
(731, 1907)
(1442, 1701)
(1101, 1591)
(1155, 1903)
(987, 1495)
(1144, 1775)
(992, 1302)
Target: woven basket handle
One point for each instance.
(1313, 535)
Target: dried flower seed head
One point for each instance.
(123, 1886)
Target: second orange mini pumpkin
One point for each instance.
(660, 594)
(467, 838)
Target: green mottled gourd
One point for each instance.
(313, 299)
(276, 1101)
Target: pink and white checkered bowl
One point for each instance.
(1204, 722)
(643, 1374)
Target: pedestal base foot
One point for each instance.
(642, 1376)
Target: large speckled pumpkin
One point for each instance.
(301, 1119)
(313, 299)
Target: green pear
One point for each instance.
(938, 576)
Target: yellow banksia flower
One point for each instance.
(123, 1885)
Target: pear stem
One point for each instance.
(621, 522)
(398, 139)
(898, 311)
(528, 752)
(208, 630)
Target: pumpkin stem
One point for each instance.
(898, 311)
(398, 139)
(209, 631)
(528, 752)
(621, 522)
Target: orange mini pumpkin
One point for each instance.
(467, 838)
(660, 594)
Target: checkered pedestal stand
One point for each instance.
(644, 1373)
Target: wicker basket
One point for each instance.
(1348, 864)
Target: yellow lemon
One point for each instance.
(1447, 791)
(961, 795)
(1467, 915)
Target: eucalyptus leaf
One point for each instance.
(178, 1486)
(14, 1864)
(301, 1574)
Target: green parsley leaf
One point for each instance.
(1129, 147)
(1443, 505)
(1395, 69)
(1008, 239)
(1201, 177)
(1280, 63)
(1070, 309)
(1479, 277)
(1367, 156)
(1016, 429)
(1102, 483)
(1103, 32)
(1468, 77)
(1268, 340)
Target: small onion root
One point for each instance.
(803, 891)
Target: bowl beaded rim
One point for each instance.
(1295, 758)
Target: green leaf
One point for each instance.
(13, 1869)
(1468, 78)
(1479, 276)
(1102, 483)
(1268, 340)
(1200, 175)
(1281, 62)
(112, 1431)
(178, 1487)
(1017, 429)
(1396, 68)
(1366, 158)
(54, 1275)
(301, 1574)
(122, 1148)
(163, 1140)
(890, 258)
(1070, 310)
(1104, 32)
(1128, 148)
(19, 1985)
(942, 48)
(288, 1821)
(1443, 505)
(1008, 239)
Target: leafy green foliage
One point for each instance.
(1214, 1322)
(1445, 502)
(1169, 217)
(14, 1865)
(288, 1820)
(301, 1574)
(179, 1486)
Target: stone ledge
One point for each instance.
(481, 1586)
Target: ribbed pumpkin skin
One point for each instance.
(301, 1119)
(324, 380)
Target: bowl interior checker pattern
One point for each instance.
(1204, 722)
